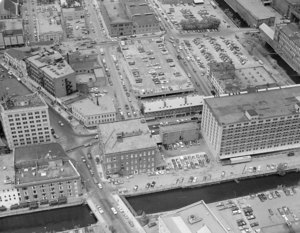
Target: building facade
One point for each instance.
(15, 57)
(93, 113)
(48, 69)
(127, 148)
(47, 175)
(254, 123)
(287, 44)
(190, 105)
(11, 33)
(25, 120)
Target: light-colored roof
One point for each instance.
(23, 101)
(267, 30)
(136, 136)
(7, 171)
(172, 103)
(275, 102)
(88, 107)
(257, 9)
(178, 221)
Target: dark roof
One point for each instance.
(19, 53)
(11, 6)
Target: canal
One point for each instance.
(174, 199)
(48, 221)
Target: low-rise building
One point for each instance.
(25, 120)
(128, 17)
(253, 12)
(252, 123)
(84, 61)
(94, 112)
(183, 132)
(127, 148)
(74, 13)
(49, 26)
(11, 33)
(197, 217)
(226, 79)
(8, 193)
(189, 105)
(49, 69)
(44, 172)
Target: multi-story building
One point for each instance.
(48, 25)
(15, 57)
(127, 148)
(44, 172)
(190, 105)
(11, 33)
(25, 120)
(52, 72)
(197, 217)
(253, 12)
(287, 44)
(128, 17)
(288, 8)
(9, 195)
(226, 79)
(9, 9)
(84, 61)
(254, 123)
(94, 112)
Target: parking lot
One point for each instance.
(152, 68)
(76, 28)
(271, 211)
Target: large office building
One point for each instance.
(194, 218)
(287, 44)
(127, 148)
(96, 111)
(44, 172)
(253, 12)
(49, 69)
(189, 105)
(25, 120)
(254, 123)
(128, 17)
(225, 78)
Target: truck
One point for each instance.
(102, 51)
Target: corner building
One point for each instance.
(253, 123)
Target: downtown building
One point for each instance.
(127, 148)
(253, 123)
(25, 120)
(49, 69)
(44, 173)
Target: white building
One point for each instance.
(92, 113)
(25, 120)
(254, 123)
(196, 217)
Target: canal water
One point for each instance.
(173, 199)
(48, 221)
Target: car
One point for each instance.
(89, 155)
(100, 209)
(114, 210)
(100, 186)
(254, 224)
(55, 136)
(277, 193)
(83, 159)
(96, 136)
(153, 184)
(60, 123)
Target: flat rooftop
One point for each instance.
(7, 171)
(135, 135)
(275, 102)
(13, 26)
(51, 63)
(257, 9)
(42, 163)
(48, 19)
(292, 31)
(116, 12)
(23, 101)
(185, 126)
(172, 103)
(245, 78)
(203, 220)
(87, 107)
